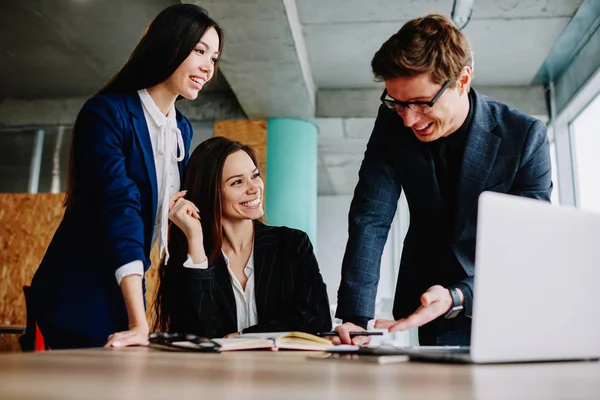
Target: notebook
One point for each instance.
(249, 341)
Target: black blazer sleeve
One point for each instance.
(309, 310)
(203, 307)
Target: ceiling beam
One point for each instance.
(16, 113)
(264, 58)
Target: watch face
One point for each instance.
(453, 313)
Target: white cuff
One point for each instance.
(189, 263)
(133, 268)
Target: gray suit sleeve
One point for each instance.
(371, 213)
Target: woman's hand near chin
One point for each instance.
(185, 215)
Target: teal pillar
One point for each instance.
(291, 186)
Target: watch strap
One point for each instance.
(456, 304)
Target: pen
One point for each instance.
(353, 334)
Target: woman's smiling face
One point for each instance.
(242, 188)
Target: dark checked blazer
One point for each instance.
(290, 292)
(506, 152)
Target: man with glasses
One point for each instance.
(443, 143)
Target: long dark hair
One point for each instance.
(202, 179)
(167, 42)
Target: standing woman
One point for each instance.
(130, 145)
(229, 272)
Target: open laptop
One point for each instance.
(536, 278)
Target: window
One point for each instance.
(554, 165)
(585, 145)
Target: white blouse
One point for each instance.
(245, 299)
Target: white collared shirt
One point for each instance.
(245, 299)
(166, 139)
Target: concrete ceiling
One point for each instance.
(67, 48)
(70, 48)
(306, 59)
(510, 39)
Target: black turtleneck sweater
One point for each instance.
(447, 154)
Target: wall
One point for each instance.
(332, 236)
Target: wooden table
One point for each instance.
(140, 373)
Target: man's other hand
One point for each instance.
(436, 301)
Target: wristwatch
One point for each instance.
(457, 306)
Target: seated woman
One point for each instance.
(229, 272)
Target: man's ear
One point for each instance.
(464, 80)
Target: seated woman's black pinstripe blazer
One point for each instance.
(289, 290)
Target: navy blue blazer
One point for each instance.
(109, 224)
(506, 151)
(289, 289)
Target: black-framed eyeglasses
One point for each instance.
(422, 107)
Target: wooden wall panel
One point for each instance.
(27, 223)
